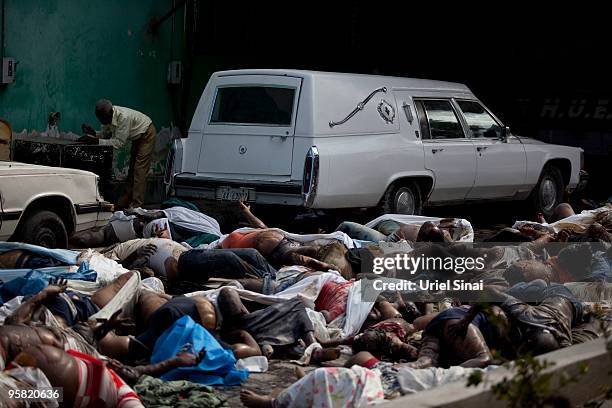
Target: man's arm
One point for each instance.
(255, 222)
(139, 257)
(146, 215)
(429, 353)
(132, 374)
(120, 135)
(25, 311)
(295, 258)
(461, 327)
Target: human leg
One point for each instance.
(126, 198)
(360, 232)
(142, 163)
(242, 343)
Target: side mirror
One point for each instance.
(504, 134)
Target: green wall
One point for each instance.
(72, 53)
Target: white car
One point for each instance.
(44, 205)
(327, 140)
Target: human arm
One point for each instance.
(25, 311)
(132, 374)
(429, 353)
(140, 257)
(119, 136)
(101, 327)
(309, 262)
(461, 327)
(347, 341)
(146, 215)
(245, 210)
(540, 238)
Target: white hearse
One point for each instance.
(43, 205)
(329, 140)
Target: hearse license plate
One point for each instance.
(235, 194)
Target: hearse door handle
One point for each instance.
(481, 148)
(434, 151)
(282, 138)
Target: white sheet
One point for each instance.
(465, 234)
(356, 311)
(413, 380)
(106, 268)
(577, 223)
(306, 290)
(325, 238)
(125, 300)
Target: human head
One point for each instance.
(576, 259)
(527, 270)
(562, 211)
(430, 232)
(538, 341)
(230, 306)
(104, 111)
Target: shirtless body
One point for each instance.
(277, 249)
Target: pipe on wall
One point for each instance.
(2, 30)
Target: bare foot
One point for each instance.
(325, 354)
(299, 372)
(250, 399)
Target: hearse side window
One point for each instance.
(422, 120)
(481, 123)
(442, 120)
(258, 105)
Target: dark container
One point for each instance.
(65, 153)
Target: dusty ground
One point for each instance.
(280, 375)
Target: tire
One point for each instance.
(548, 193)
(43, 228)
(403, 198)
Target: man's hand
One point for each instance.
(130, 211)
(187, 359)
(244, 206)
(56, 286)
(103, 326)
(146, 251)
(88, 130)
(129, 374)
(88, 139)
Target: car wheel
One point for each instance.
(44, 228)
(403, 199)
(548, 193)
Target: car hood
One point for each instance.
(528, 140)
(11, 168)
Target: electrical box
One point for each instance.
(175, 72)
(8, 70)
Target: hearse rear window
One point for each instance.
(258, 105)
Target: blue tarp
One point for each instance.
(23, 282)
(216, 368)
(63, 255)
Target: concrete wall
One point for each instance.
(72, 53)
(567, 360)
